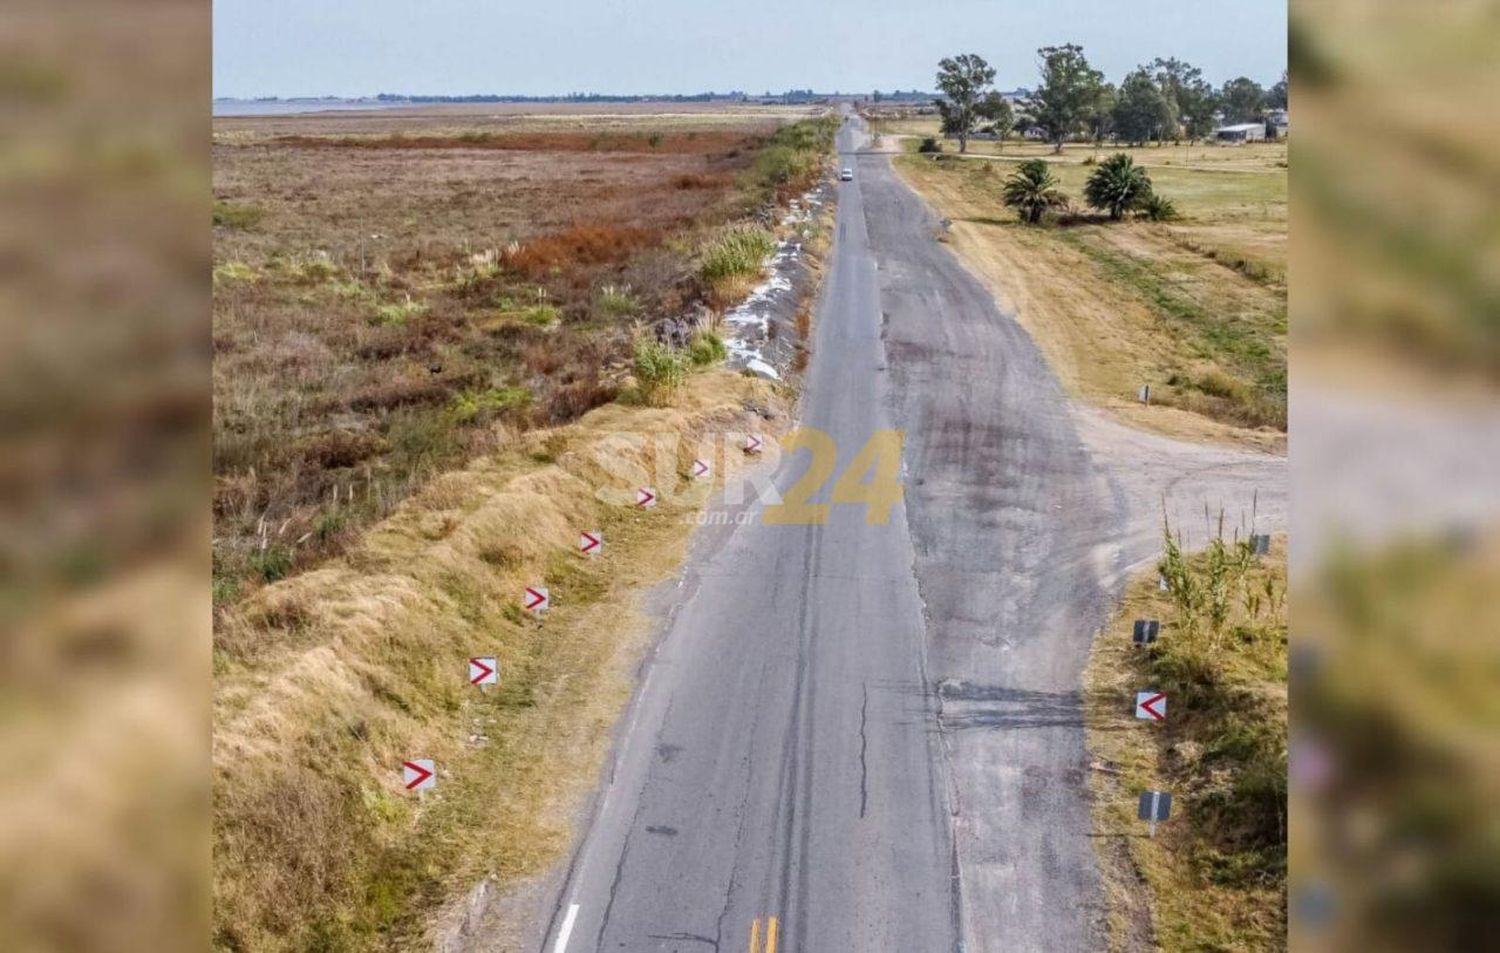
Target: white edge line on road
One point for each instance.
(567, 929)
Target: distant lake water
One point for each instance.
(293, 107)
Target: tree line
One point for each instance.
(1166, 99)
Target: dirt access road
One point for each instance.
(873, 734)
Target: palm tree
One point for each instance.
(1031, 190)
(1117, 186)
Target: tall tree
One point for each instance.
(963, 80)
(1242, 100)
(1141, 112)
(1069, 93)
(1189, 93)
(1101, 124)
(997, 114)
(1277, 97)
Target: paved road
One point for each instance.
(872, 734)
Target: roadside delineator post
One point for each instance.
(591, 543)
(536, 600)
(419, 775)
(1145, 394)
(1154, 806)
(484, 671)
(1145, 631)
(1151, 706)
(645, 497)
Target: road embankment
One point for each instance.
(328, 681)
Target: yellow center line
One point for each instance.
(755, 936)
(771, 935)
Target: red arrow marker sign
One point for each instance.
(590, 543)
(483, 671)
(645, 497)
(1151, 706)
(419, 775)
(752, 444)
(536, 599)
(700, 469)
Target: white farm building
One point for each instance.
(1241, 132)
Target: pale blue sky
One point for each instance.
(363, 47)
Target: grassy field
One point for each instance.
(1195, 307)
(1214, 877)
(1205, 156)
(397, 293)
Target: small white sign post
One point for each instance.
(645, 497)
(753, 444)
(536, 600)
(1151, 706)
(484, 670)
(701, 470)
(419, 775)
(591, 543)
(1154, 806)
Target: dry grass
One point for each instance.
(390, 304)
(1214, 878)
(721, 143)
(1197, 308)
(516, 118)
(328, 680)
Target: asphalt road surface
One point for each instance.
(860, 738)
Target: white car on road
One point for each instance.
(847, 175)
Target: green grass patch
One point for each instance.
(471, 406)
(399, 312)
(736, 252)
(791, 160)
(304, 269)
(659, 369)
(235, 272)
(541, 315)
(707, 348)
(617, 301)
(231, 215)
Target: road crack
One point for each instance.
(864, 774)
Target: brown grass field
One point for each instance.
(394, 292)
(1196, 307)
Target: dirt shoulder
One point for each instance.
(1214, 877)
(1196, 309)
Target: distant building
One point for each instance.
(1277, 122)
(1241, 132)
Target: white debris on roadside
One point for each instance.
(748, 325)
